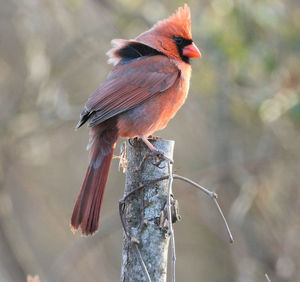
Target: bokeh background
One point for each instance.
(237, 134)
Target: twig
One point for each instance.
(207, 192)
(141, 261)
(122, 158)
(143, 161)
(121, 211)
(143, 186)
(133, 240)
(224, 219)
(267, 277)
(170, 227)
(213, 196)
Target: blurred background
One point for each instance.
(237, 134)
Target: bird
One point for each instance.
(147, 85)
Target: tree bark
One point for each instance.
(145, 213)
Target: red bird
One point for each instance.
(145, 89)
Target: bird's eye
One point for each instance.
(178, 40)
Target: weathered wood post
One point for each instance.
(145, 213)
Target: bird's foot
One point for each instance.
(160, 156)
(154, 137)
(158, 153)
(132, 141)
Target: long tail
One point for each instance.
(86, 211)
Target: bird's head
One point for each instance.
(173, 36)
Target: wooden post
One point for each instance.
(145, 213)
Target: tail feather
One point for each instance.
(87, 208)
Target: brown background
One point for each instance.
(237, 134)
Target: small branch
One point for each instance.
(213, 196)
(133, 240)
(142, 261)
(143, 186)
(121, 211)
(207, 192)
(170, 227)
(267, 277)
(224, 220)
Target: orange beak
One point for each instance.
(191, 51)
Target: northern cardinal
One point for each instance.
(144, 90)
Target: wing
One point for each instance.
(129, 84)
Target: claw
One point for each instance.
(132, 140)
(161, 156)
(160, 159)
(142, 162)
(154, 137)
(155, 151)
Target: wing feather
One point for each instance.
(129, 85)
